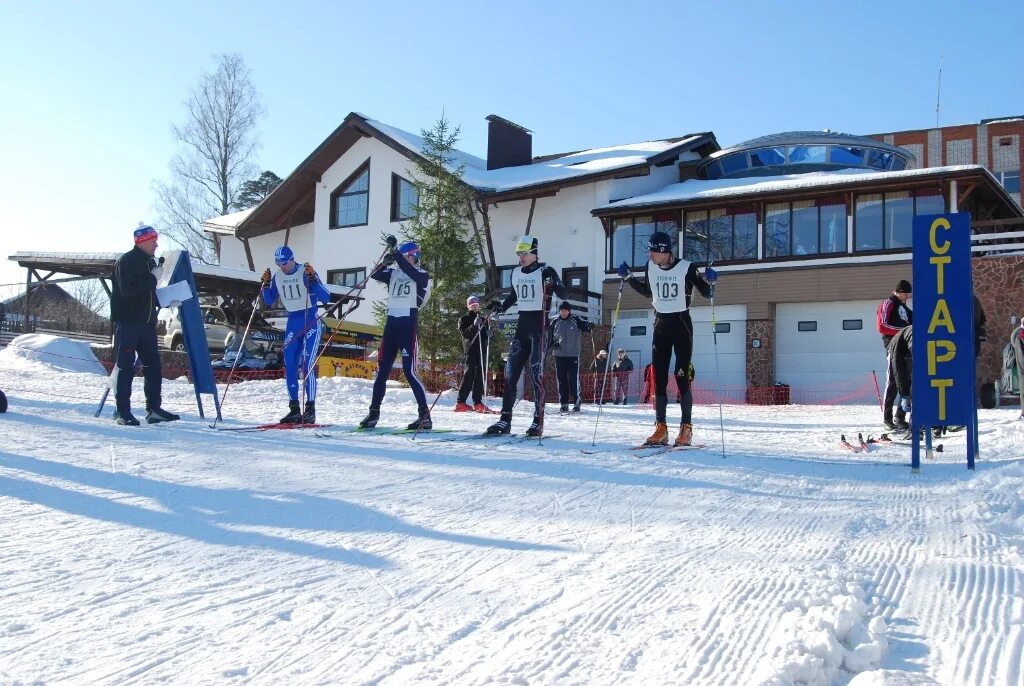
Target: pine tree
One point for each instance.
(440, 225)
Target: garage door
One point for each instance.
(829, 348)
(732, 346)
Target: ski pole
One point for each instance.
(234, 364)
(718, 372)
(615, 320)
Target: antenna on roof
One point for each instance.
(938, 94)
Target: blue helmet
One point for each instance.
(283, 255)
(410, 248)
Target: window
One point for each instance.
(351, 200)
(806, 227)
(733, 233)
(630, 236)
(505, 276)
(885, 222)
(403, 198)
(638, 331)
(1010, 180)
(851, 156)
(723, 327)
(696, 237)
(776, 229)
(853, 324)
(807, 154)
(807, 326)
(878, 159)
(768, 157)
(736, 162)
(346, 277)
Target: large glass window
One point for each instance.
(721, 235)
(886, 222)
(1010, 180)
(346, 277)
(807, 154)
(350, 202)
(805, 228)
(878, 159)
(734, 163)
(630, 236)
(833, 227)
(744, 227)
(776, 229)
(403, 198)
(844, 155)
(768, 157)
(732, 233)
(696, 237)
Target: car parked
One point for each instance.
(218, 330)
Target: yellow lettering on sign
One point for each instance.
(942, 385)
(949, 352)
(940, 223)
(941, 317)
(940, 272)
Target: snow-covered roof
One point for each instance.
(227, 222)
(548, 170)
(698, 189)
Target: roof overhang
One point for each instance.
(761, 189)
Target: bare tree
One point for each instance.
(91, 294)
(217, 143)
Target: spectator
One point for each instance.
(892, 316)
(622, 368)
(599, 367)
(133, 308)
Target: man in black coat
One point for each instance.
(133, 309)
(474, 329)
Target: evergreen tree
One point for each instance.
(440, 226)
(253, 192)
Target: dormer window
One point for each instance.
(403, 198)
(350, 202)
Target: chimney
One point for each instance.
(508, 144)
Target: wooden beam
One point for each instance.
(966, 194)
(529, 219)
(248, 254)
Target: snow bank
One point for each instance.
(889, 677)
(55, 351)
(993, 499)
(827, 632)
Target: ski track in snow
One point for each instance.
(177, 554)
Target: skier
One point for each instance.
(133, 308)
(564, 341)
(669, 282)
(475, 331)
(599, 367)
(408, 289)
(299, 289)
(891, 316)
(621, 369)
(532, 285)
(901, 367)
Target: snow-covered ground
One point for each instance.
(179, 554)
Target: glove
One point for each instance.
(391, 242)
(494, 306)
(389, 259)
(154, 262)
(624, 270)
(311, 275)
(710, 275)
(905, 404)
(549, 282)
(266, 278)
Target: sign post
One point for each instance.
(944, 390)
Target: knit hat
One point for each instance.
(144, 233)
(659, 242)
(472, 300)
(903, 286)
(602, 353)
(565, 306)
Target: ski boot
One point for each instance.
(423, 423)
(482, 409)
(371, 419)
(502, 426)
(564, 409)
(685, 434)
(309, 413)
(125, 419)
(462, 407)
(158, 414)
(660, 435)
(294, 415)
(536, 429)
(576, 407)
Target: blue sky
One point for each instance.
(90, 91)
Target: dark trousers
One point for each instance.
(673, 333)
(567, 370)
(129, 340)
(473, 378)
(399, 334)
(523, 351)
(891, 391)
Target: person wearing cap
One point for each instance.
(133, 310)
(408, 289)
(599, 368)
(892, 315)
(669, 282)
(300, 290)
(532, 286)
(564, 343)
(622, 367)
(475, 331)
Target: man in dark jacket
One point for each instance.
(622, 368)
(564, 342)
(133, 308)
(901, 367)
(892, 316)
(474, 329)
(599, 368)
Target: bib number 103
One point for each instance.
(668, 290)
